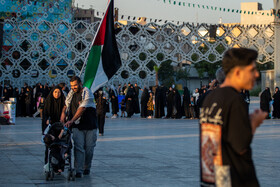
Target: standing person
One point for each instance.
(196, 104)
(21, 101)
(28, 102)
(136, 98)
(186, 102)
(82, 118)
(150, 105)
(246, 96)
(176, 112)
(276, 103)
(113, 95)
(54, 104)
(265, 98)
(101, 111)
(16, 95)
(129, 101)
(122, 103)
(169, 102)
(144, 101)
(159, 102)
(226, 128)
(6, 95)
(191, 108)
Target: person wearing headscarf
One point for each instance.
(144, 101)
(176, 112)
(100, 110)
(113, 95)
(159, 102)
(265, 98)
(136, 98)
(276, 103)
(54, 104)
(129, 100)
(186, 102)
(169, 102)
(28, 101)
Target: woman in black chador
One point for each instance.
(265, 99)
(129, 100)
(186, 102)
(54, 104)
(169, 102)
(176, 110)
(144, 101)
(276, 103)
(159, 102)
(113, 95)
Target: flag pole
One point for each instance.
(95, 37)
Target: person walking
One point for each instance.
(226, 128)
(82, 119)
(54, 104)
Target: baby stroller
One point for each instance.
(59, 144)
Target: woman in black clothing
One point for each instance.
(144, 102)
(54, 104)
(28, 102)
(186, 102)
(101, 111)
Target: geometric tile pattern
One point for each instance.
(51, 52)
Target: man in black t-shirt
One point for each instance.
(82, 119)
(226, 128)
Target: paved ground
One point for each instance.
(133, 152)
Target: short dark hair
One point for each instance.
(75, 78)
(48, 139)
(238, 57)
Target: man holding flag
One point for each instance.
(103, 61)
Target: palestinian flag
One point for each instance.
(104, 58)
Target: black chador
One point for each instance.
(176, 110)
(114, 100)
(159, 102)
(276, 105)
(144, 101)
(186, 102)
(129, 100)
(265, 99)
(169, 102)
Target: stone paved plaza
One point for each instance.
(133, 152)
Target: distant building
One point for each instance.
(255, 14)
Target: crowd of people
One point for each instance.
(150, 102)
(226, 127)
(29, 99)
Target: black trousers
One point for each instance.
(101, 122)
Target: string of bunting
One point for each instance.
(215, 8)
(136, 18)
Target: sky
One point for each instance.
(158, 9)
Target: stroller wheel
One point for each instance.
(51, 175)
(71, 175)
(47, 174)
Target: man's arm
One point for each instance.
(78, 114)
(256, 119)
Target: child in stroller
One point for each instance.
(58, 140)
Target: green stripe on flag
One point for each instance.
(92, 65)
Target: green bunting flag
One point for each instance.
(179, 3)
